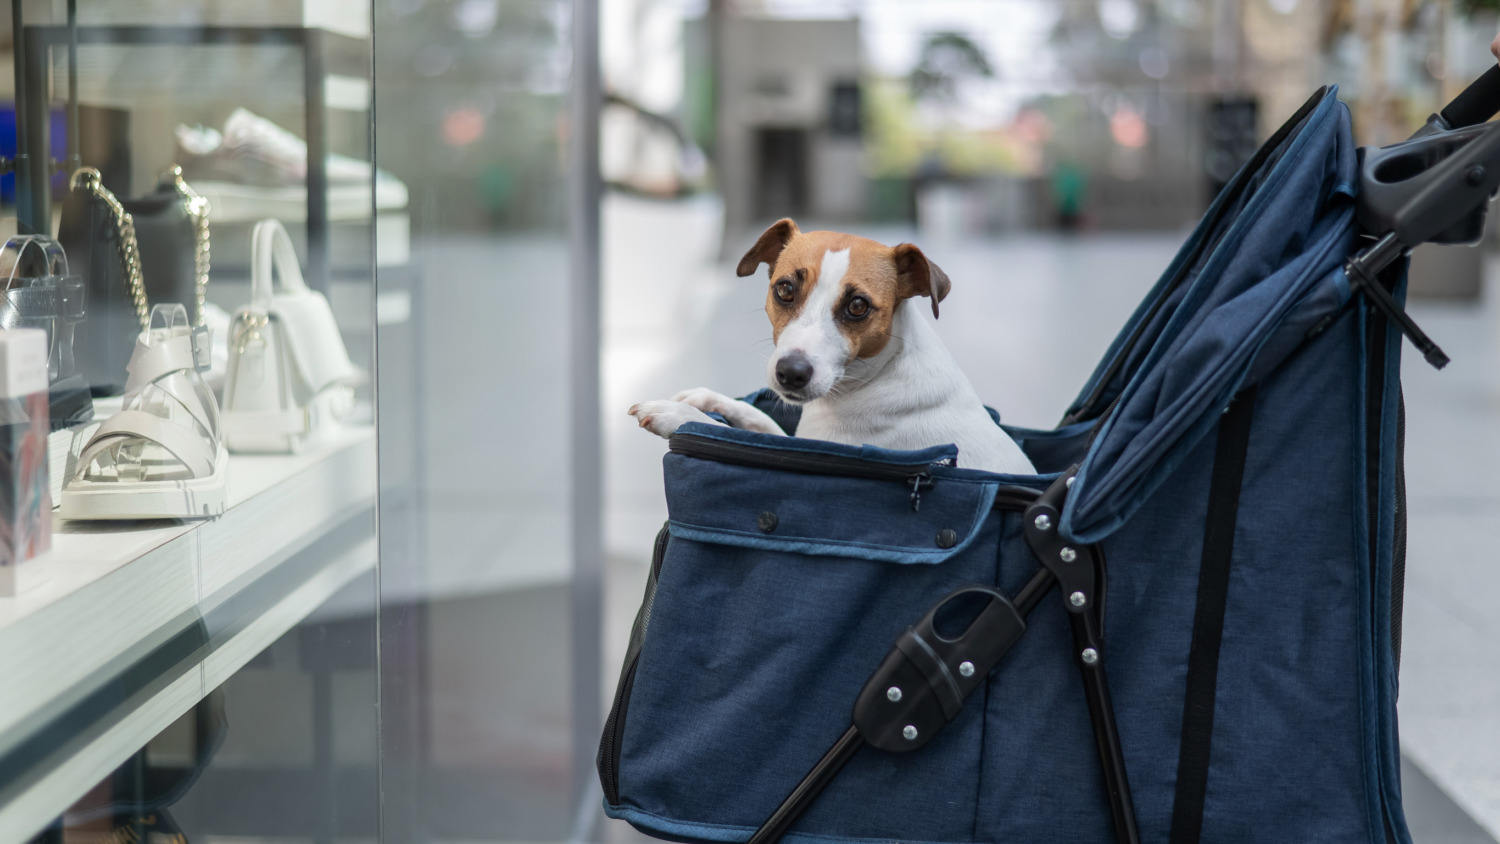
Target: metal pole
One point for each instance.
(314, 68)
(75, 148)
(585, 188)
(33, 167)
(36, 122)
(22, 162)
(716, 20)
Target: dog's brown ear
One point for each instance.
(768, 247)
(917, 276)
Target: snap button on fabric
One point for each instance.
(947, 538)
(767, 522)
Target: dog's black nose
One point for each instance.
(794, 371)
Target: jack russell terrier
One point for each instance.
(853, 348)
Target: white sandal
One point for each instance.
(162, 456)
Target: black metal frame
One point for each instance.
(320, 49)
(1080, 575)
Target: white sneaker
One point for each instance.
(253, 168)
(253, 150)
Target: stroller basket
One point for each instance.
(1236, 460)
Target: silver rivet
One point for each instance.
(1043, 522)
(1068, 554)
(1077, 599)
(893, 694)
(1090, 656)
(966, 668)
(909, 732)
(1069, 482)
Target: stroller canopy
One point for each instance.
(1261, 271)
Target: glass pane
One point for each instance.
(475, 447)
(194, 658)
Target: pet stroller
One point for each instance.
(1236, 460)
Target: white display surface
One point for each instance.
(116, 591)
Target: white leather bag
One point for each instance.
(290, 380)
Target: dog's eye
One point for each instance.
(857, 307)
(784, 292)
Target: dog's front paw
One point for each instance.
(708, 401)
(663, 417)
(738, 413)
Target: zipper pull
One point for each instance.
(918, 481)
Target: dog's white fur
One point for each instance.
(813, 332)
(909, 395)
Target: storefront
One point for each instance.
(297, 573)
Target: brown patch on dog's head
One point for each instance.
(768, 246)
(919, 276)
(877, 279)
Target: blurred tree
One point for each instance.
(893, 146)
(946, 59)
(948, 63)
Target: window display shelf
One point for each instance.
(138, 621)
(146, 67)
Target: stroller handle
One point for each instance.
(1434, 187)
(1476, 103)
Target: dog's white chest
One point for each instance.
(981, 443)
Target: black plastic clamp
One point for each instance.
(921, 684)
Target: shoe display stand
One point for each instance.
(325, 53)
(138, 621)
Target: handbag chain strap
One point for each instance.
(198, 208)
(130, 252)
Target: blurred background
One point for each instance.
(1050, 155)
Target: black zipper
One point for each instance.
(1398, 556)
(1374, 405)
(609, 743)
(1377, 327)
(608, 760)
(917, 476)
(739, 454)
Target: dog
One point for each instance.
(855, 351)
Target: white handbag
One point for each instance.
(290, 380)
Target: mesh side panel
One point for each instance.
(608, 759)
(643, 618)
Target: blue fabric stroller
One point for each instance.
(1236, 458)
